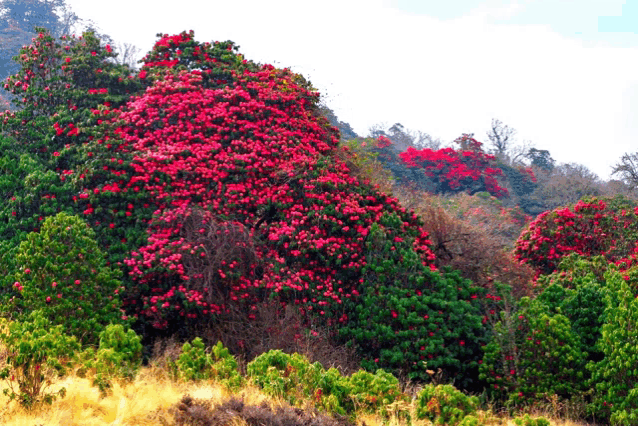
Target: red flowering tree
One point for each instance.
(468, 169)
(243, 149)
(607, 227)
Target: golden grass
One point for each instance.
(147, 401)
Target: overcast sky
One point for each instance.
(563, 73)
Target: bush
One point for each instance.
(63, 274)
(195, 364)
(615, 377)
(533, 354)
(408, 315)
(295, 379)
(374, 392)
(528, 421)
(444, 404)
(38, 353)
(606, 227)
(282, 375)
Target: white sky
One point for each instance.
(564, 73)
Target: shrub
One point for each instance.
(38, 353)
(120, 352)
(374, 392)
(195, 364)
(294, 378)
(528, 421)
(576, 290)
(283, 375)
(606, 227)
(444, 404)
(63, 274)
(408, 315)
(615, 377)
(533, 354)
(467, 169)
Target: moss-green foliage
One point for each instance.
(615, 377)
(119, 356)
(533, 354)
(62, 272)
(295, 379)
(120, 352)
(38, 352)
(445, 405)
(195, 364)
(529, 421)
(408, 318)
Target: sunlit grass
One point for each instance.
(153, 396)
(148, 401)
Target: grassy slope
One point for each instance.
(149, 399)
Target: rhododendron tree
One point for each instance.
(593, 226)
(66, 88)
(410, 319)
(533, 355)
(62, 273)
(255, 156)
(468, 169)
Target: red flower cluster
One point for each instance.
(255, 154)
(591, 227)
(467, 169)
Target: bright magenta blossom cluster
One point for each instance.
(468, 169)
(591, 227)
(254, 153)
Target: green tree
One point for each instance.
(615, 377)
(63, 272)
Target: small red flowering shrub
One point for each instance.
(468, 169)
(607, 227)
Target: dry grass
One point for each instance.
(154, 399)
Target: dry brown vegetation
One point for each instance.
(153, 398)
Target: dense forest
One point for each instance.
(213, 200)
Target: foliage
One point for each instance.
(529, 421)
(290, 376)
(365, 165)
(615, 377)
(119, 356)
(576, 290)
(120, 352)
(38, 353)
(408, 316)
(259, 159)
(196, 364)
(444, 404)
(62, 273)
(294, 378)
(66, 88)
(303, 205)
(533, 354)
(607, 227)
(468, 169)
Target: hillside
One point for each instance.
(207, 198)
